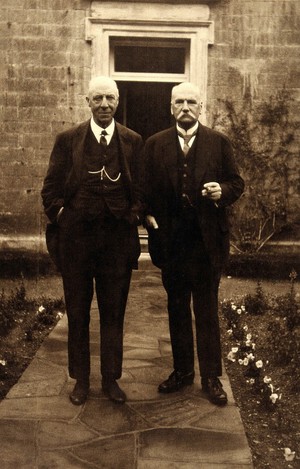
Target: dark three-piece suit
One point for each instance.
(191, 243)
(97, 239)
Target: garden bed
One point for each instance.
(261, 345)
(24, 324)
(270, 428)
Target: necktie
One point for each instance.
(103, 141)
(186, 139)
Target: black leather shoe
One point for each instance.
(177, 380)
(112, 390)
(80, 393)
(213, 387)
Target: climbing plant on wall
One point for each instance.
(262, 135)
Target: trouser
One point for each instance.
(189, 276)
(92, 253)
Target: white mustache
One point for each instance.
(189, 113)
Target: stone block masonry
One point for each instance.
(46, 64)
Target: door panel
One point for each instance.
(145, 107)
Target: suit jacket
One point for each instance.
(214, 163)
(66, 169)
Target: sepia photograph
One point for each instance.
(150, 234)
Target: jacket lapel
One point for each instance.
(78, 147)
(203, 154)
(169, 156)
(125, 150)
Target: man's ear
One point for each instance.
(172, 110)
(87, 100)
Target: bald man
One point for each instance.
(92, 197)
(191, 179)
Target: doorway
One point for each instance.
(145, 106)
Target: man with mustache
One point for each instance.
(191, 177)
(92, 196)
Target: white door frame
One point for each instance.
(114, 20)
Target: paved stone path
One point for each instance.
(41, 429)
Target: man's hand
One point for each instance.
(212, 190)
(151, 222)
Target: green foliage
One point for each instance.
(258, 303)
(16, 308)
(12, 307)
(281, 315)
(47, 310)
(288, 307)
(284, 331)
(261, 134)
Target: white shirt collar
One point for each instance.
(96, 129)
(190, 131)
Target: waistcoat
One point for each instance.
(186, 173)
(101, 191)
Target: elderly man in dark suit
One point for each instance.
(92, 195)
(191, 177)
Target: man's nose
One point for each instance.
(185, 105)
(104, 102)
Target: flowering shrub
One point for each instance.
(243, 353)
(233, 314)
(14, 310)
(283, 340)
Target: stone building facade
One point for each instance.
(51, 48)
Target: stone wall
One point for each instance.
(256, 55)
(46, 64)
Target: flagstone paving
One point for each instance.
(41, 429)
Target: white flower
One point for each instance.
(41, 309)
(259, 364)
(2, 362)
(243, 308)
(59, 315)
(267, 379)
(239, 311)
(289, 454)
(246, 361)
(248, 343)
(229, 331)
(231, 356)
(245, 328)
(240, 361)
(233, 307)
(253, 346)
(249, 336)
(250, 356)
(274, 397)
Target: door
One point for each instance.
(146, 69)
(145, 106)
